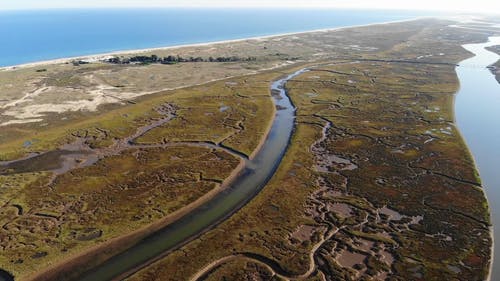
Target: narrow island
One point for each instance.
(495, 68)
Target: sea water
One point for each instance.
(29, 36)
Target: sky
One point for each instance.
(486, 6)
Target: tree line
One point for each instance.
(174, 59)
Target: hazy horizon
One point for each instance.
(482, 6)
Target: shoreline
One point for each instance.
(472, 156)
(483, 190)
(100, 56)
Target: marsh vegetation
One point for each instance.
(376, 183)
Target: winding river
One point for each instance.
(257, 172)
(477, 113)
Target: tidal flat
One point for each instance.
(376, 183)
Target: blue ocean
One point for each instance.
(29, 36)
